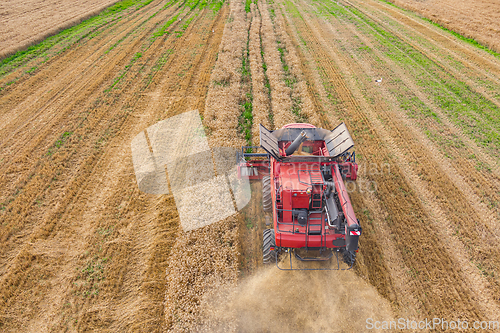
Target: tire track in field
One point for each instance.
(261, 107)
(281, 103)
(403, 212)
(303, 104)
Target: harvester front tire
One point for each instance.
(267, 200)
(269, 242)
(349, 257)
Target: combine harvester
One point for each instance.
(302, 172)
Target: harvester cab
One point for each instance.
(302, 170)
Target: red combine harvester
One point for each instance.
(303, 171)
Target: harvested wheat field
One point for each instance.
(23, 23)
(83, 249)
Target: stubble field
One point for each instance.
(83, 249)
(22, 23)
(472, 19)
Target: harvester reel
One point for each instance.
(267, 203)
(269, 248)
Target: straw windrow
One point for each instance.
(300, 90)
(223, 100)
(281, 102)
(261, 106)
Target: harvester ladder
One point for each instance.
(315, 221)
(316, 181)
(279, 204)
(315, 176)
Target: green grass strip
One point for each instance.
(246, 119)
(164, 28)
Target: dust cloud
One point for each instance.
(294, 301)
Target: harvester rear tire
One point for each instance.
(269, 242)
(267, 200)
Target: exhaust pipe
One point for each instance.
(296, 143)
